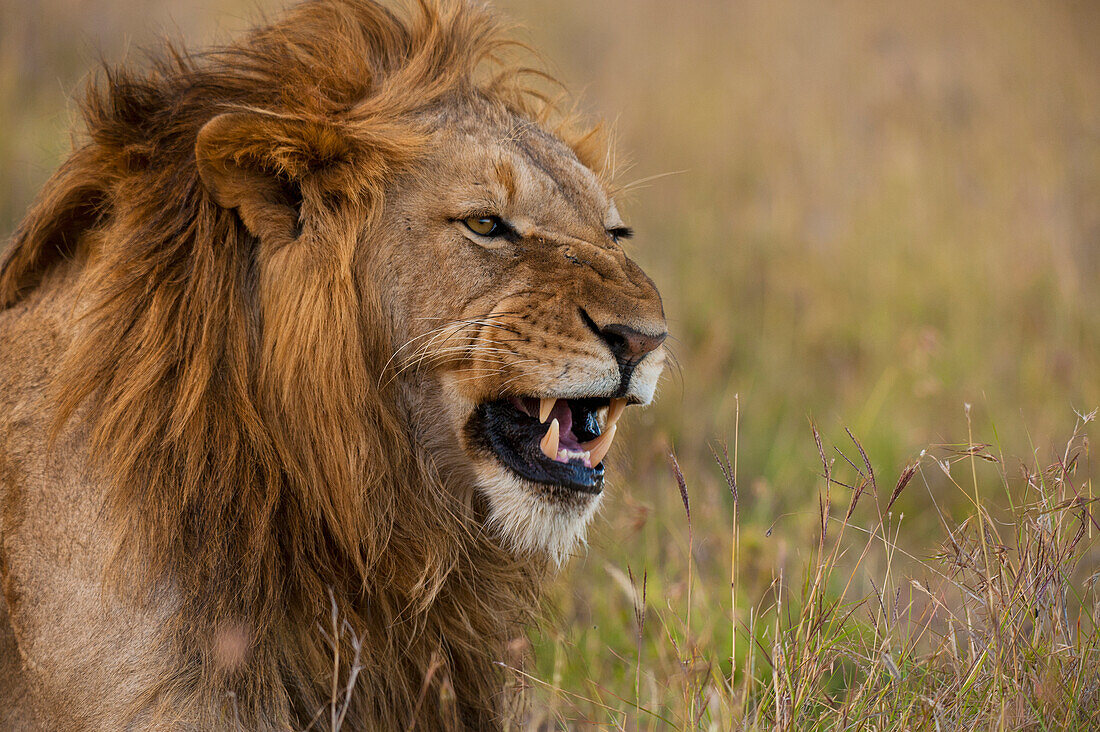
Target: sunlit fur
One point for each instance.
(219, 269)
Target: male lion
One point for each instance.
(310, 355)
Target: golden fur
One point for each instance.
(207, 317)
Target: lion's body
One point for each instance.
(82, 648)
(78, 654)
(227, 490)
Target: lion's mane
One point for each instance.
(254, 459)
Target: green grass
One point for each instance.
(874, 214)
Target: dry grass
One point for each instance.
(879, 212)
(992, 625)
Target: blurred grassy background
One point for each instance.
(875, 212)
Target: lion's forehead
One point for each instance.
(530, 173)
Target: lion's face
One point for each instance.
(522, 329)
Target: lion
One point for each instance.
(311, 354)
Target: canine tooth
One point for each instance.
(549, 443)
(545, 407)
(598, 447)
(614, 412)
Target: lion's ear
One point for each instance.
(260, 164)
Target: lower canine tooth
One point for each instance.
(599, 446)
(549, 443)
(545, 407)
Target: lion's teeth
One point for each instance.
(614, 412)
(592, 452)
(549, 443)
(598, 447)
(565, 455)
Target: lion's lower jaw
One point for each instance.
(535, 519)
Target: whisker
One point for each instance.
(406, 344)
(648, 179)
(432, 348)
(506, 382)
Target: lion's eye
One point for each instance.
(620, 232)
(485, 225)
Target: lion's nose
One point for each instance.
(628, 345)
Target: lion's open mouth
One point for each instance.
(557, 442)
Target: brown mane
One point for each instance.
(253, 459)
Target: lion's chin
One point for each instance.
(533, 518)
(538, 460)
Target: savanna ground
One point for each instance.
(879, 218)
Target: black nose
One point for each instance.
(628, 345)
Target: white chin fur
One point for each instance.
(532, 520)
